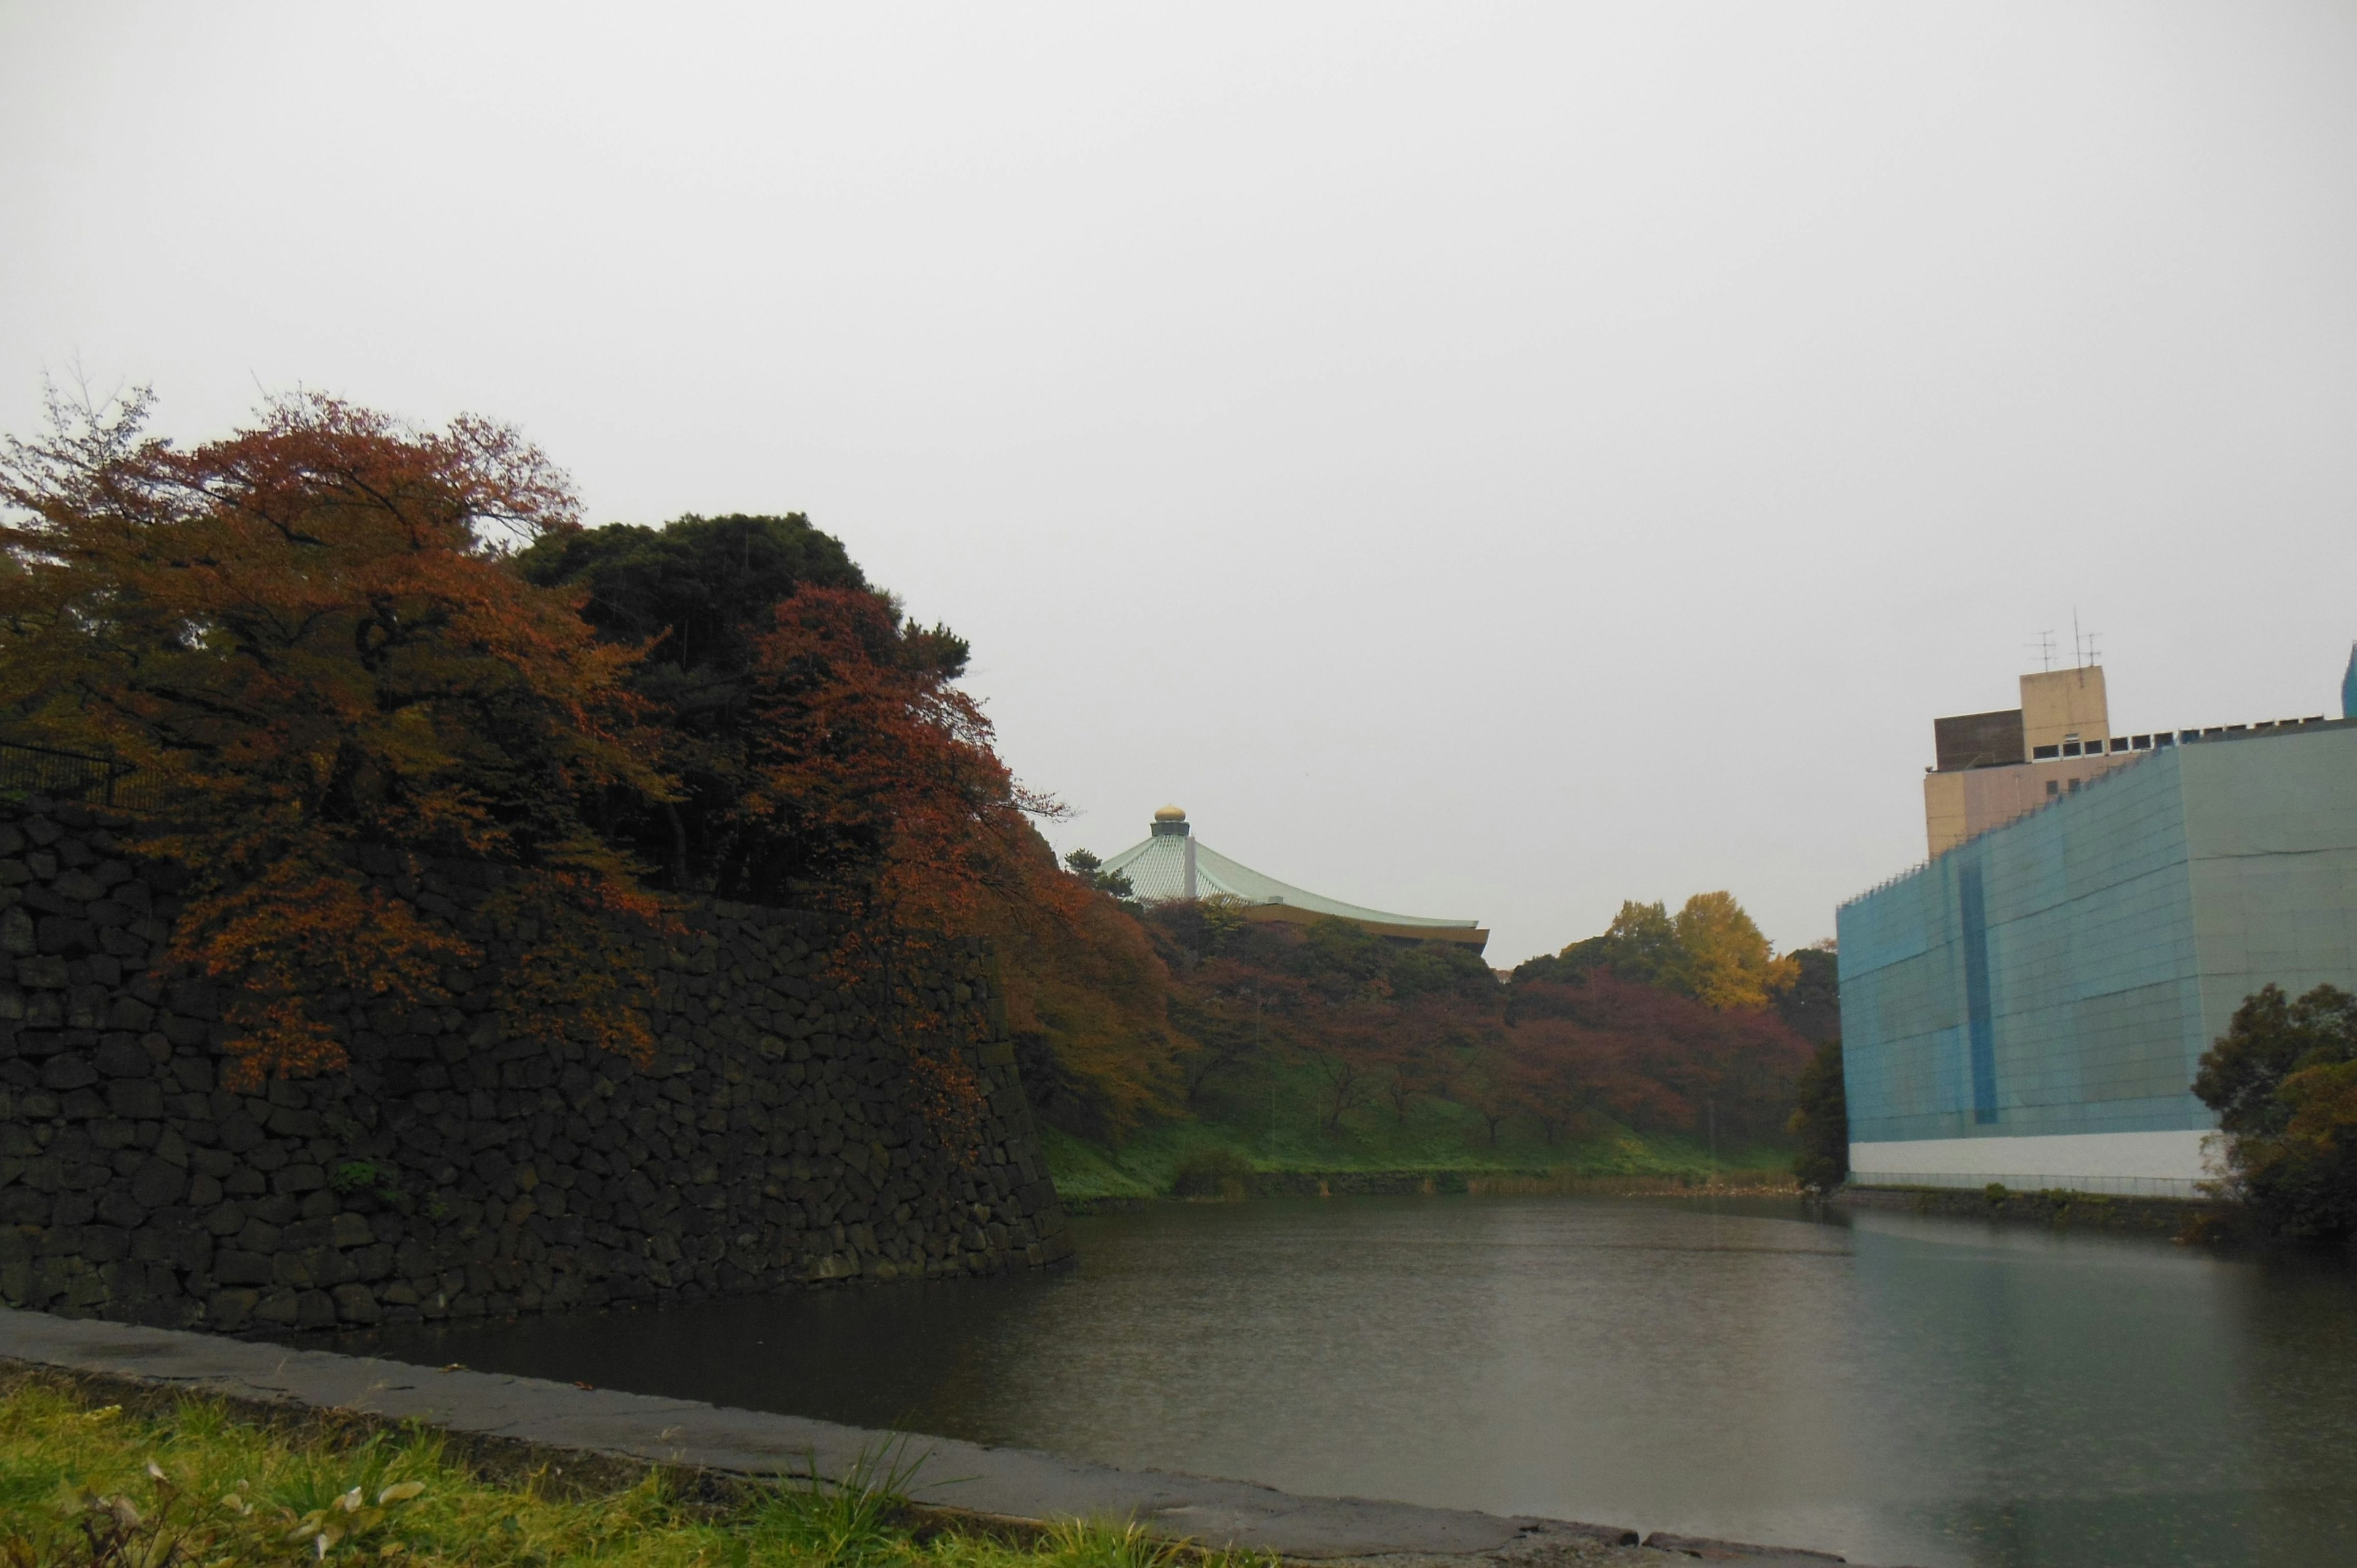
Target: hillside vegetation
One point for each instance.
(332, 646)
(1325, 1048)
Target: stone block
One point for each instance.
(68, 1071)
(304, 1233)
(236, 1133)
(128, 1013)
(78, 884)
(66, 934)
(121, 1055)
(236, 1268)
(157, 1184)
(229, 1309)
(355, 1303)
(139, 1098)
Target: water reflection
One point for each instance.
(1900, 1389)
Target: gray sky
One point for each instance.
(1488, 460)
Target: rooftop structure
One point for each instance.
(1173, 864)
(1993, 768)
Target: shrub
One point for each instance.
(1211, 1173)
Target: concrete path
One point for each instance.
(1008, 1482)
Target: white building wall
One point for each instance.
(2159, 1165)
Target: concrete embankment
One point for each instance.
(1192, 1186)
(552, 1422)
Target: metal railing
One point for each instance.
(27, 771)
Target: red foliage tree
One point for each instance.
(865, 757)
(305, 639)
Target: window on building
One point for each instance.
(2053, 788)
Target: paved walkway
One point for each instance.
(1010, 1483)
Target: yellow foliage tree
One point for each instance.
(1728, 963)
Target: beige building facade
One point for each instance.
(1968, 802)
(1994, 767)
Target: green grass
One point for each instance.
(1435, 1135)
(93, 1485)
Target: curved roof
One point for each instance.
(1158, 870)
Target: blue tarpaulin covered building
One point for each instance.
(2030, 1006)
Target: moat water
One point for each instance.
(1897, 1390)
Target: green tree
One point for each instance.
(1812, 1007)
(1640, 945)
(1821, 1122)
(2283, 1078)
(1089, 869)
(701, 598)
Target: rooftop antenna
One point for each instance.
(2082, 646)
(2045, 646)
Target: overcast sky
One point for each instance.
(1480, 460)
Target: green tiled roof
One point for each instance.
(1157, 868)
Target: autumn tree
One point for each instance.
(1222, 1011)
(827, 758)
(1710, 950)
(310, 641)
(1726, 964)
(1090, 1004)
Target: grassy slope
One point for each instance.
(232, 1489)
(1438, 1135)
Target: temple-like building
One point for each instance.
(1173, 864)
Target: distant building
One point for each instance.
(1173, 864)
(2030, 1006)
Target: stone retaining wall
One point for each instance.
(2189, 1218)
(452, 1172)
